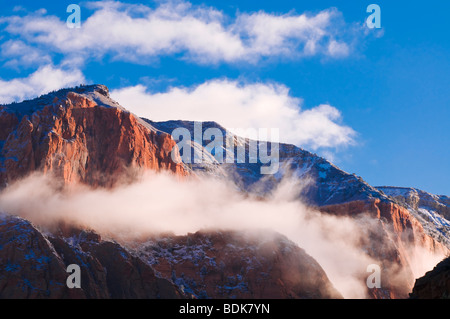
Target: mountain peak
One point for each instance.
(100, 88)
(70, 132)
(97, 93)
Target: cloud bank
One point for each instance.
(206, 35)
(236, 105)
(47, 78)
(141, 34)
(161, 203)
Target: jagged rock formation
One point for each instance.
(80, 135)
(432, 211)
(435, 284)
(222, 264)
(34, 266)
(201, 265)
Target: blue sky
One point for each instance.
(389, 87)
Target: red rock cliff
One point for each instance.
(77, 139)
(393, 241)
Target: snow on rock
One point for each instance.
(228, 264)
(433, 211)
(326, 183)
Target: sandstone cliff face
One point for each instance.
(34, 266)
(202, 265)
(392, 241)
(416, 199)
(226, 264)
(431, 211)
(402, 223)
(435, 284)
(79, 140)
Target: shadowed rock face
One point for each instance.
(29, 269)
(435, 284)
(432, 211)
(200, 265)
(237, 265)
(34, 266)
(81, 137)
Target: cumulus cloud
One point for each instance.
(242, 106)
(46, 78)
(139, 33)
(18, 53)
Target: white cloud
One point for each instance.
(18, 8)
(338, 49)
(19, 53)
(274, 35)
(138, 33)
(236, 105)
(46, 78)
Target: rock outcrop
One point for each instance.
(219, 264)
(80, 135)
(431, 211)
(34, 266)
(401, 221)
(229, 264)
(435, 284)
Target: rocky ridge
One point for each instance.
(34, 265)
(80, 135)
(231, 264)
(435, 284)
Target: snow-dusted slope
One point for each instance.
(433, 211)
(97, 93)
(33, 265)
(325, 184)
(232, 264)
